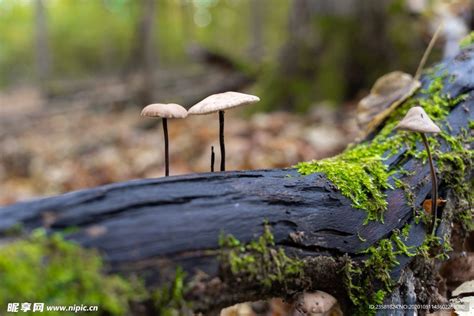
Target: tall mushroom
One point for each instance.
(165, 111)
(219, 103)
(416, 120)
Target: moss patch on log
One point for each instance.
(369, 281)
(264, 270)
(468, 40)
(54, 271)
(169, 299)
(454, 166)
(360, 173)
(259, 261)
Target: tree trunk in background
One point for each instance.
(187, 20)
(295, 69)
(333, 50)
(257, 8)
(370, 46)
(43, 57)
(144, 55)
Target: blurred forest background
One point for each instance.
(74, 75)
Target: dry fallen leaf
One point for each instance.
(388, 92)
(427, 204)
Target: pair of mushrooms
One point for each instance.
(416, 120)
(214, 103)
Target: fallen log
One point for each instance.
(150, 227)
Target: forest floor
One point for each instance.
(51, 147)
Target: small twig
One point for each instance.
(427, 52)
(213, 158)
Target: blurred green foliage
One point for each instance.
(53, 271)
(169, 299)
(88, 38)
(339, 56)
(345, 56)
(467, 41)
(16, 53)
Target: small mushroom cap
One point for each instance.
(222, 102)
(315, 303)
(416, 120)
(170, 110)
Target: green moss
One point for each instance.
(352, 276)
(52, 270)
(13, 231)
(58, 272)
(435, 247)
(467, 40)
(406, 230)
(465, 217)
(367, 283)
(259, 261)
(409, 197)
(455, 166)
(452, 165)
(169, 299)
(362, 280)
(360, 173)
(398, 238)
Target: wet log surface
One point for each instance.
(151, 226)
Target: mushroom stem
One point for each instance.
(167, 159)
(434, 184)
(221, 139)
(213, 158)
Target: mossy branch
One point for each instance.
(356, 217)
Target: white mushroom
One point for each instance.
(416, 120)
(165, 111)
(219, 103)
(317, 303)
